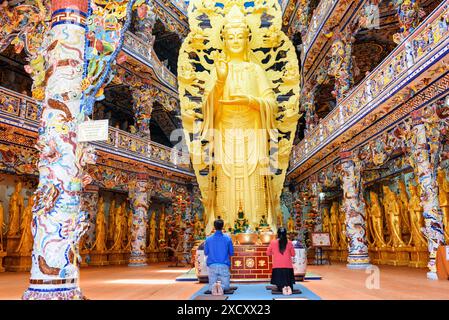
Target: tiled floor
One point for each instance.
(158, 282)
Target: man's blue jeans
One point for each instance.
(219, 272)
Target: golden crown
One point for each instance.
(235, 18)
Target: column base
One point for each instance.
(358, 261)
(358, 266)
(137, 264)
(54, 294)
(432, 275)
(137, 261)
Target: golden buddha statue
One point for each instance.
(291, 225)
(162, 227)
(280, 221)
(334, 225)
(342, 223)
(325, 221)
(100, 228)
(118, 232)
(16, 207)
(238, 104)
(393, 212)
(376, 222)
(111, 220)
(197, 227)
(403, 203)
(416, 218)
(152, 246)
(26, 238)
(443, 197)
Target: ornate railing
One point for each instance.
(407, 61)
(319, 18)
(144, 50)
(21, 109)
(181, 5)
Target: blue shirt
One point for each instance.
(218, 248)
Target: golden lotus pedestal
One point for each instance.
(2, 255)
(18, 262)
(99, 258)
(116, 257)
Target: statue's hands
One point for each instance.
(242, 100)
(236, 100)
(222, 70)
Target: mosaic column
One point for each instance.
(424, 170)
(143, 106)
(309, 107)
(315, 202)
(89, 204)
(57, 223)
(354, 207)
(139, 202)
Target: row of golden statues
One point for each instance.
(113, 234)
(394, 221)
(19, 222)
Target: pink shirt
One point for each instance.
(281, 260)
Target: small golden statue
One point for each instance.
(16, 207)
(152, 246)
(393, 213)
(404, 206)
(26, 240)
(111, 220)
(100, 228)
(197, 227)
(443, 196)
(325, 222)
(162, 227)
(416, 218)
(376, 221)
(291, 225)
(334, 224)
(120, 222)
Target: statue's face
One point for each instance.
(236, 40)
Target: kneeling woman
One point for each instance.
(282, 251)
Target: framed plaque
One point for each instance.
(321, 239)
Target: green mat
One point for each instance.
(191, 276)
